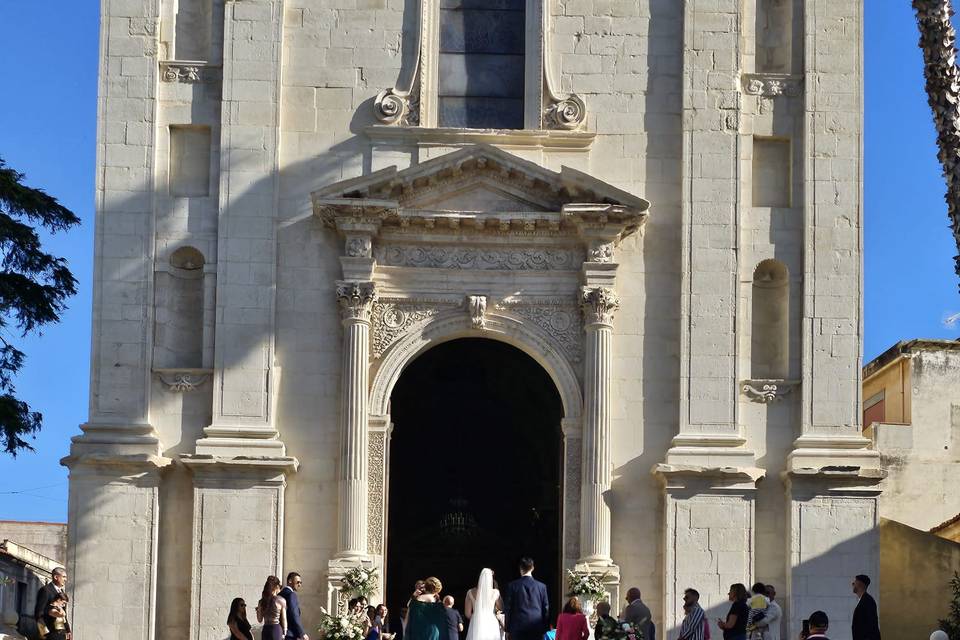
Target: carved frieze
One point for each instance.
(356, 299)
(481, 258)
(599, 304)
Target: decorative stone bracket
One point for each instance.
(183, 380)
(772, 85)
(767, 391)
(477, 308)
(189, 71)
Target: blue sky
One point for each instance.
(48, 125)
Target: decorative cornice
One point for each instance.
(183, 380)
(188, 71)
(772, 85)
(599, 304)
(356, 299)
(453, 137)
(767, 391)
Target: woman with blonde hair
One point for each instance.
(272, 611)
(426, 615)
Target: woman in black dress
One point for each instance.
(735, 626)
(237, 621)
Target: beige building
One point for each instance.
(911, 410)
(425, 285)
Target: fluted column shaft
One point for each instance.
(598, 303)
(356, 302)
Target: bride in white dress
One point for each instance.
(481, 607)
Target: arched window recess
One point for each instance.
(475, 64)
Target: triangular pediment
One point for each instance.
(479, 185)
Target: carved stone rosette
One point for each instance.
(356, 300)
(599, 304)
(356, 246)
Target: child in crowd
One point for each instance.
(758, 604)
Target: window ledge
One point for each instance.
(452, 137)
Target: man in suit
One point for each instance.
(866, 623)
(526, 606)
(48, 592)
(289, 593)
(637, 613)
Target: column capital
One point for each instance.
(356, 300)
(599, 304)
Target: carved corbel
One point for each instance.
(766, 391)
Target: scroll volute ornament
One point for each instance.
(356, 300)
(599, 304)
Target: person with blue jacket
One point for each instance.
(295, 629)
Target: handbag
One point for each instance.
(42, 630)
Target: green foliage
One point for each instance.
(34, 287)
(951, 624)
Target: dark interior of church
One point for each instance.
(475, 460)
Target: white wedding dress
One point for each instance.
(483, 621)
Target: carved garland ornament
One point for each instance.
(479, 258)
(356, 299)
(766, 391)
(599, 304)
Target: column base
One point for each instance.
(116, 440)
(241, 440)
(833, 453)
(338, 567)
(720, 451)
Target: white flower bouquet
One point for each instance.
(342, 627)
(586, 584)
(360, 581)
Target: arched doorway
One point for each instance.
(475, 469)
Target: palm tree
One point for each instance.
(938, 42)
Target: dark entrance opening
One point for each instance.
(475, 470)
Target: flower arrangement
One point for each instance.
(346, 626)
(360, 581)
(613, 630)
(586, 584)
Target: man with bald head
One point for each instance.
(638, 613)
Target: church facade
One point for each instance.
(655, 204)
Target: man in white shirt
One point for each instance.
(770, 624)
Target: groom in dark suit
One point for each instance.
(525, 605)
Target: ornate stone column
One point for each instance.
(356, 303)
(599, 305)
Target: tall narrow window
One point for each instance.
(481, 66)
(774, 36)
(770, 336)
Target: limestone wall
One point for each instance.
(221, 154)
(46, 538)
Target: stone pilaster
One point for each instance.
(599, 305)
(709, 534)
(356, 303)
(237, 533)
(833, 534)
(114, 514)
(245, 376)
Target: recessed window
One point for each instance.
(770, 330)
(481, 64)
